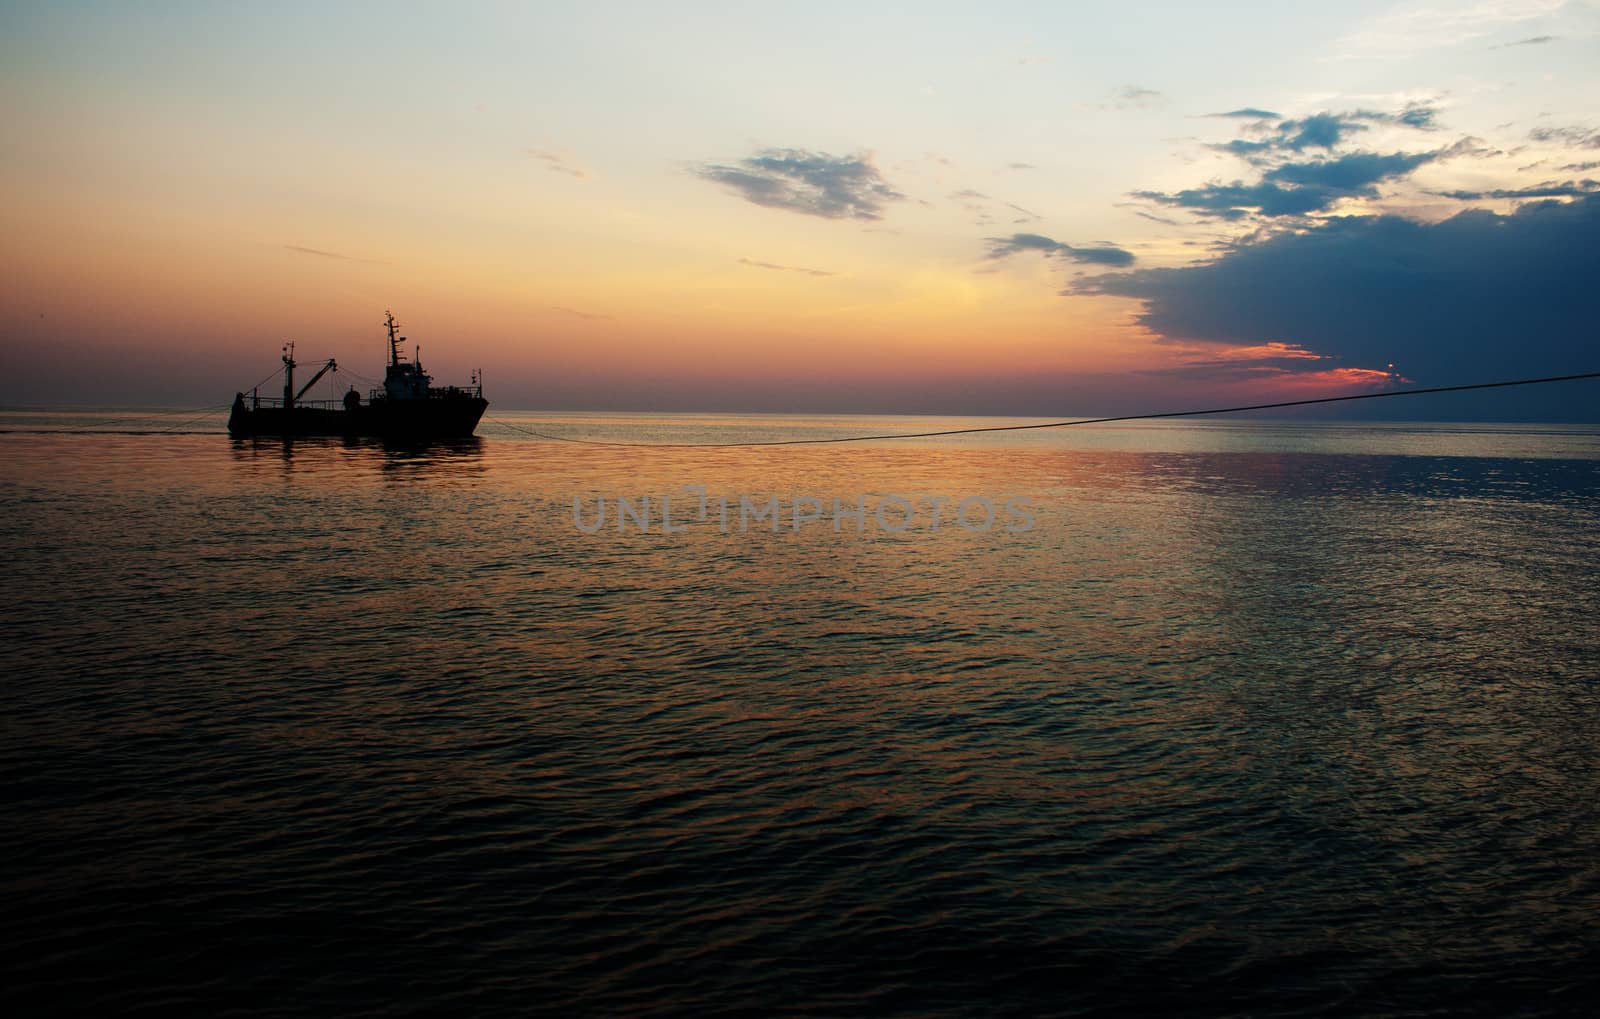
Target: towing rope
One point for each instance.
(106, 428)
(1052, 424)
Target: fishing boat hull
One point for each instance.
(413, 420)
(408, 407)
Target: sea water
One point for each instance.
(1281, 718)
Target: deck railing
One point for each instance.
(268, 402)
(447, 393)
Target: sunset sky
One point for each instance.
(1032, 209)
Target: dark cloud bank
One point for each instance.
(1477, 297)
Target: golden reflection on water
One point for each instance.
(1240, 703)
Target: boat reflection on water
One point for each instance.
(318, 454)
(426, 459)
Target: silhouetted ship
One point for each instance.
(407, 407)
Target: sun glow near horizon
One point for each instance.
(1002, 207)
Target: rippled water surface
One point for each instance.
(1261, 718)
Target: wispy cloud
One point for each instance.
(578, 313)
(1247, 113)
(1296, 189)
(1537, 40)
(560, 162)
(1154, 218)
(786, 268)
(1574, 136)
(1028, 215)
(1425, 24)
(1245, 363)
(1418, 115)
(334, 255)
(1354, 173)
(810, 183)
(1001, 247)
(1319, 130)
(986, 209)
(1300, 173)
(976, 203)
(1549, 189)
(1133, 97)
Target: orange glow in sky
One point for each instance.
(681, 212)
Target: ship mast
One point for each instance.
(288, 375)
(394, 338)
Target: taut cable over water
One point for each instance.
(1054, 424)
(196, 414)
